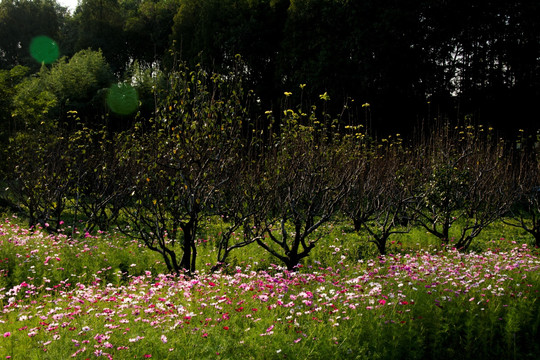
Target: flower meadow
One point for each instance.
(105, 296)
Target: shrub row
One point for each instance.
(201, 156)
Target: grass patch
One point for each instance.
(106, 295)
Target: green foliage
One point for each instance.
(77, 81)
(74, 84)
(8, 82)
(33, 102)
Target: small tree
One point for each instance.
(463, 177)
(525, 212)
(96, 176)
(308, 176)
(377, 199)
(242, 206)
(39, 182)
(178, 164)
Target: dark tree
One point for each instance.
(463, 179)
(148, 27)
(309, 177)
(213, 32)
(378, 196)
(178, 165)
(23, 20)
(100, 26)
(525, 212)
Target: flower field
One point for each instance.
(107, 297)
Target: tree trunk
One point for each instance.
(381, 243)
(292, 261)
(357, 225)
(190, 253)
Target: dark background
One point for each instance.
(414, 61)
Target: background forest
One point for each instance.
(413, 61)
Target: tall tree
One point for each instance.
(100, 25)
(9, 79)
(486, 54)
(148, 27)
(23, 20)
(360, 50)
(214, 32)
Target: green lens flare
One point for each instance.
(44, 49)
(122, 99)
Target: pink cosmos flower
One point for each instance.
(7, 334)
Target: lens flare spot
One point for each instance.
(122, 99)
(44, 49)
